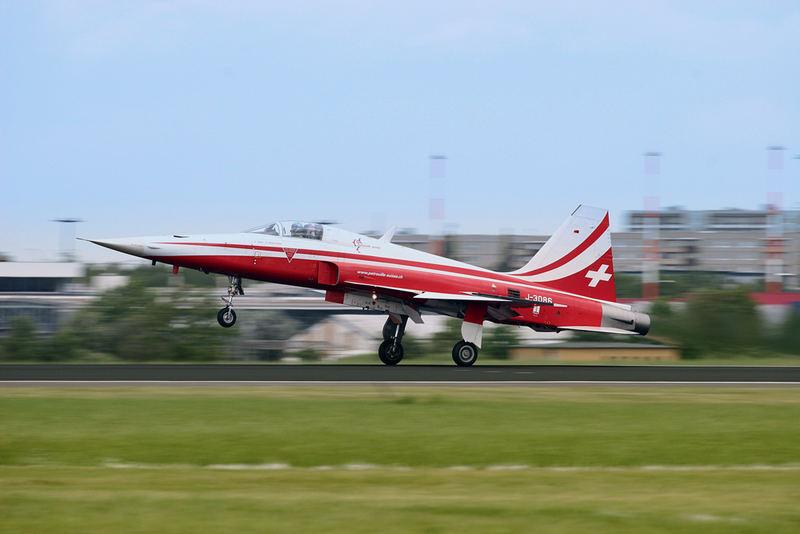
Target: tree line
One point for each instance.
(129, 323)
(724, 322)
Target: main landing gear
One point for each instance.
(391, 350)
(226, 317)
(465, 353)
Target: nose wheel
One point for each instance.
(226, 317)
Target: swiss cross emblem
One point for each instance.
(289, 253)
(600, 275)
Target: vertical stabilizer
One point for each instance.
(577, 257)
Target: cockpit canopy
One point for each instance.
(290, 229)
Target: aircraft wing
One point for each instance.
(484, 297)
(499, 307)
(430, 295)
(369, 285)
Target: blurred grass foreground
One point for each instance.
(366, 459)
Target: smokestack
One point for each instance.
(651, 229)
(773, 253)
(436, 204)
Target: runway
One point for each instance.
(410, 374)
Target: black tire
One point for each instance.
(226, 317)
(465, 353)
(390, 353)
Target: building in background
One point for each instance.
(731, 242)
(43, 292)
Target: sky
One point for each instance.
(191, 116)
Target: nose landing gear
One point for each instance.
(226, 317)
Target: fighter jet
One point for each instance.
(567, 285)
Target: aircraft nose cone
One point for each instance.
(126, 246)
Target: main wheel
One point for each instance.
(390, 353)
(465, 353)
(226, 317)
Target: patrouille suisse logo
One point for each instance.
(290, 252)
(359, 244)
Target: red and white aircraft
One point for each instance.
(567, 285)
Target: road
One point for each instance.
(338, 373)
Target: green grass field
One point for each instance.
(405, 459)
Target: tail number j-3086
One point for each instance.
(538, 298)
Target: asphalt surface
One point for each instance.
(337, 373)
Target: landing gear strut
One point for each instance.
(226, 317)
(391, 350)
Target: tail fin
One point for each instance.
(577, 257)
